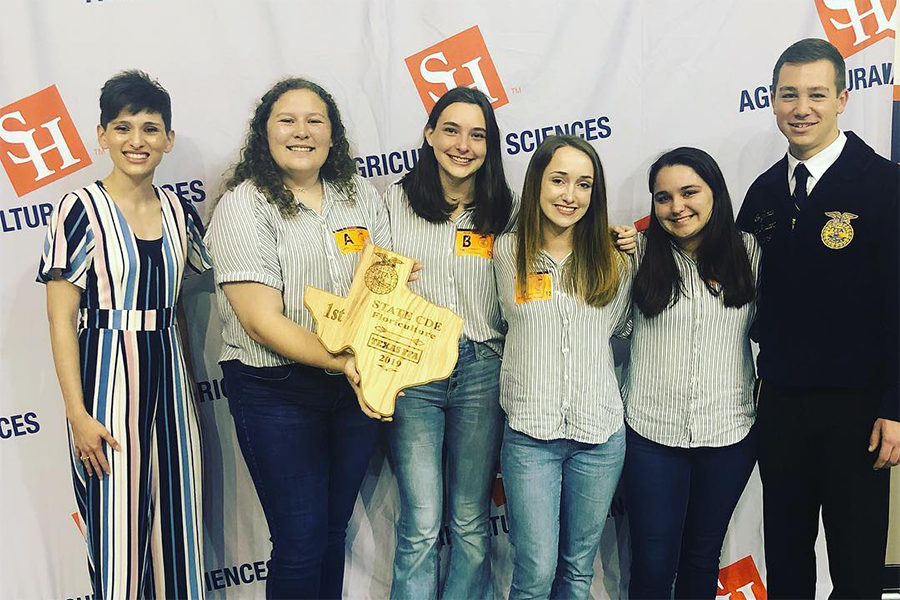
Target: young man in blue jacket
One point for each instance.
(826, 216)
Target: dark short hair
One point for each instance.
(493, 198)
(721, 256)
(134, 91)
(811, 50)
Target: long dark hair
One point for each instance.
(593, 271)
(257, 165)
(721, 257)
(493, 199)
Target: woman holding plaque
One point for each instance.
(689, 390)
(564, 291)
(445, 213)
(298, 420)
(113, 262)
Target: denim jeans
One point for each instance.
(453, 424)
(679, 503)
(307, 446)
(558, 494)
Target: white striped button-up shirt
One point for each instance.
(250, 240)
(691, 378)
(461, 281)
(558, 380)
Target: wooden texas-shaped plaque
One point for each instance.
(399, 338)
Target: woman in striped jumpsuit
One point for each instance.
(113, 260)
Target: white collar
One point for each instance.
(821, 161)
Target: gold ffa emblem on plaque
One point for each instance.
(399, 338)
(381, 277)
(838, 233)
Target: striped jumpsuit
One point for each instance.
(142, 522)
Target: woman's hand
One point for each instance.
(624, 237)
(88, 437)
(349, 369)
(414, 274)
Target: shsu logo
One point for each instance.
(851, 29)
(76, 516)
(462, 59)
(741, 581)
(38, 141)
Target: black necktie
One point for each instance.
(801, 174)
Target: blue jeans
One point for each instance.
(454, 424)
(558, 494)
(307, 446)
(679, 503)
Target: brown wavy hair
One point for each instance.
(593, 270)
(257, 165)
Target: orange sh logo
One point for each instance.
(642, 224)
(741, 581)
(462, 59)
(38, 141)
(852, 25)
(77, 518)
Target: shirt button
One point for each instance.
(566, 322)
(565, 377)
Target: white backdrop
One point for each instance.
(636, 77)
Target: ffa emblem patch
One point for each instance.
(838, 233)
(381, 277)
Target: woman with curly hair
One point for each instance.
(295, 214)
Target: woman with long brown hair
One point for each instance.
(564, 290)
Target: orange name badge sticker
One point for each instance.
(38, 141)
(351, 239)
(538, 287)
(472, 243)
